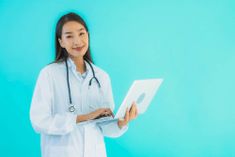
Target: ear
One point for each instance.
(61, 43)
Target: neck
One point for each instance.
(80, 64)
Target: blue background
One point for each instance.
(191, 44)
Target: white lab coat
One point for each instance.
(60, 135)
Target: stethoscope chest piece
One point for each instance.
(71, 108)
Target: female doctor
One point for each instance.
(69, 93)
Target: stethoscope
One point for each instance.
(71, 107)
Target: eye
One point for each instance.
(69, 36)
(81, 34)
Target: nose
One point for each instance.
(77, 41)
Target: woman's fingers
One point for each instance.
(133, 111)
(106, 112)
(127, 116)
(123, 122)
(111, 113)
(130, 114)
(101, 112)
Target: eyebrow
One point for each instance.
(77, 30)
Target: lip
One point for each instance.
(78, 48)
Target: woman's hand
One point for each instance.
(101, 112)
(130, 115)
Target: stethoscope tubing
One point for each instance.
(71, 107)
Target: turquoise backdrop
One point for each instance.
(191, 44)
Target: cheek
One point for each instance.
(87, 43)
(67, 44)
(86, 40)
(66, 41)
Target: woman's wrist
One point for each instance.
(82, 118)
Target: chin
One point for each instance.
(78, 54)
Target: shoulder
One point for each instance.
(51, 69)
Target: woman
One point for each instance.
(71, 92)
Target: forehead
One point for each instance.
(72, 26)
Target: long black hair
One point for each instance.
(61, 53)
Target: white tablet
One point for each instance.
(141, 92)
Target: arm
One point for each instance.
(93, 115)
(41, 114)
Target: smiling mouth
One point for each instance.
(78, 48)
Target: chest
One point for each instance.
(85, 96)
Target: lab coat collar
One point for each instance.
(72, 65)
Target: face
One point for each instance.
(74, 39)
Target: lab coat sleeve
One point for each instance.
(41, 115)
(110, 129)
